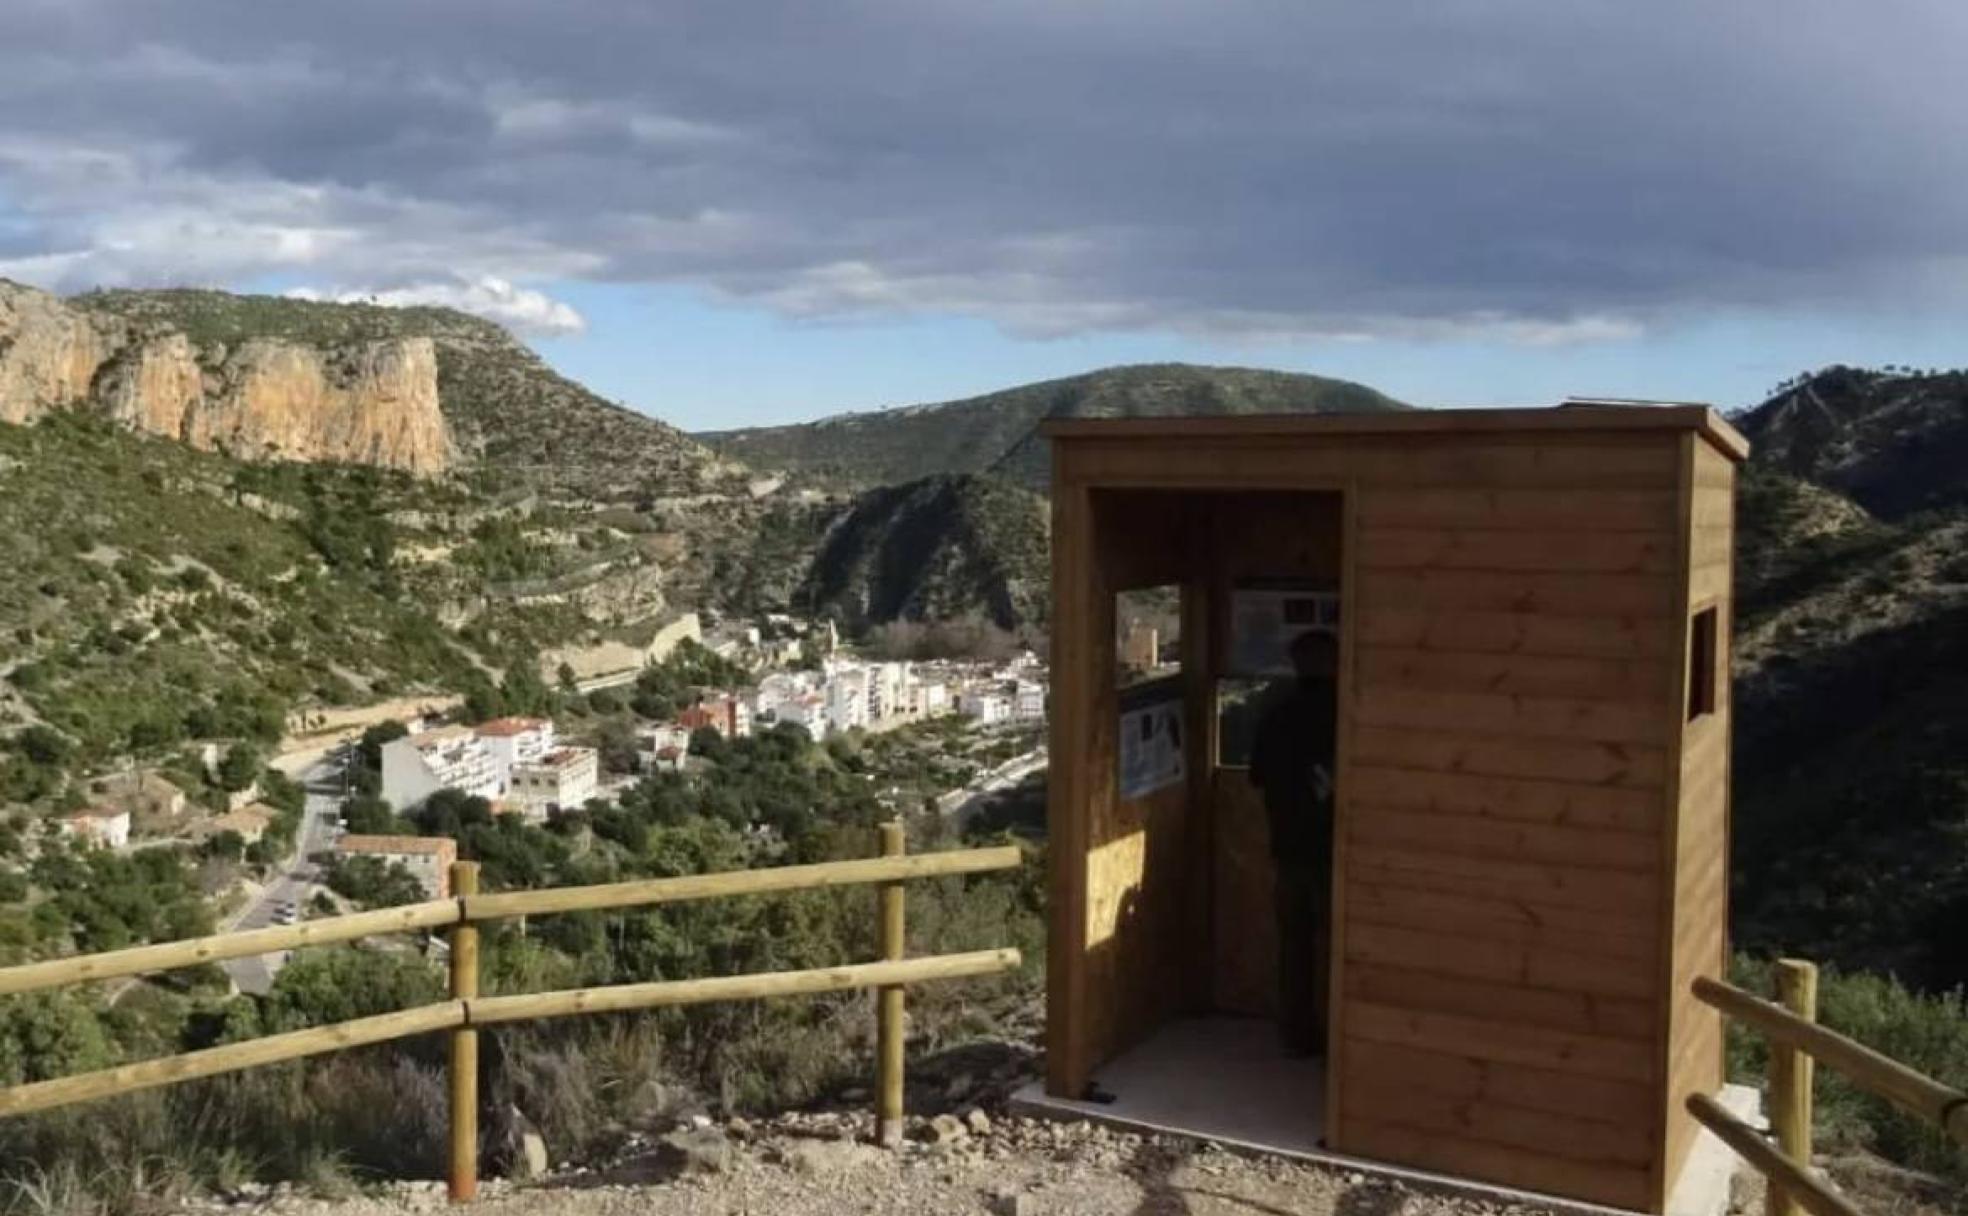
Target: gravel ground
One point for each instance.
(804, 1165)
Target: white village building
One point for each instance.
(514, 741)
(1028, 701)
(562, 780)
(106, 826)
(428, 858)
(986, 706)
(448, 757)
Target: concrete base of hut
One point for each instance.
(1226, 1080)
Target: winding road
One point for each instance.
(323, 782)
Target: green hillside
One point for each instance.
(1851, 772)
(996, 433)
(1894, 441)
(934, 549)
(160, 596)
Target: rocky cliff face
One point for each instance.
(369, 401)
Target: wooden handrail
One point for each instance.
(466, 1011)
(471, 908)
(197, 950)
(617, 998)
(487, 1011)
(272, 1049)
(1800, 1183)
(1913, 1092)
(739, 882)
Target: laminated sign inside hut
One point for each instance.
(1390, 788)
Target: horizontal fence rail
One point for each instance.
(1796, 1180)
(642, 892)
(193, 952)
(1797, 1043)
(233, 1057)
(441, 913)
(466, 1011)
(1917, 1094)
(489, 1011)
(618, 998)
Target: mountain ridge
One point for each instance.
(996, 433)
(1893, 440)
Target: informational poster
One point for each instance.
(1264, 621)
(1151, 747)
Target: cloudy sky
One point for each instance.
(728, 213)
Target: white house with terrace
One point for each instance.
(447, 757)
(561, 780)
(516, 741)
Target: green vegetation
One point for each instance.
(81, 899)
(190, 598)
(997, 433)
(369, 882)
(1926, 1032)
(584, 1082)
(937, 549)
(162, 611)
(665, 688)
(1851, 788)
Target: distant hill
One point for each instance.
(1894, 442)
(997, 433)
(933, 549)
(1851, 764)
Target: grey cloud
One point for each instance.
(1527, 171)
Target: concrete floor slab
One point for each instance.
(1225, 1079)
(1218, 1078)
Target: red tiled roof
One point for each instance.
(397, 844)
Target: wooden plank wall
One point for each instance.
(1509, 765)
(1517, 626)
(1694, 1060)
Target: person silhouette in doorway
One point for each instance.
(1292, 764)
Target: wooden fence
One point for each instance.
(466, 1011)
(1797, 1042)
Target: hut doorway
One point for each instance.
(1192, 949)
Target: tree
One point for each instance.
(369, 748)
(320, 987)
(449, 812)
(44, 1035)
(369, 815)
(617, 744)
(370, 882)
(226, 846)
(44, 746)
(240, 767)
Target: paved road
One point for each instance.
(960, 805)
(323, 782)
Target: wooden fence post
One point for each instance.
(1791, 1074)
(888, 1009)
(463, 1173)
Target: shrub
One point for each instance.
(1925, 1032)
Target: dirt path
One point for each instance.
(810, 1165)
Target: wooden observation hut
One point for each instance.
(1530, 859)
